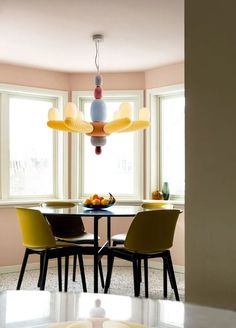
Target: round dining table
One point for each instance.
(121, 211)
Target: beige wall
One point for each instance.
(68, 82)
(210, 153)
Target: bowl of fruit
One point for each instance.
(98, 202)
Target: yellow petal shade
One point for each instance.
(117, 125)
(78, 126)
(53, 114)
(125, 110)
(144, 114)
(114, 324)
(122, 324)
(70, 110)
(136, 125)
(72, 324)
(58, 125)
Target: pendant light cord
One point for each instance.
(97, 56)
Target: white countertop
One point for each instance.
(41, 309)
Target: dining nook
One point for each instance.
(117, 165)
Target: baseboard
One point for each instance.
(87, 261)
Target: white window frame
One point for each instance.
(79, 97)
(153, 141)
(60, 185)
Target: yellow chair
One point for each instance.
(119, 239)
(58, 204)
(71, 229)
(150, 235)
(38, 239)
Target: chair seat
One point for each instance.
(119, 238)
(84, 238)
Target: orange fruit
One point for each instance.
(87, 201)
(104, 201)
(96, 201)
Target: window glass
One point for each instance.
(172, 111)
(114, 170)
(30, 147)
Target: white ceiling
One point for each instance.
(57, 34)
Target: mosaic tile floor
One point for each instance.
(121, 284)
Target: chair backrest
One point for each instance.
(152, 231)
(64, 225)
(36, 232)
(58, 204)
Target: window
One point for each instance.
(167, 140)
(172, 153)
(32, 154)
(118, 169)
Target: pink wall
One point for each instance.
(164, 76)
(10, 238)
(32, 77)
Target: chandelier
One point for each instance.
(98, 128)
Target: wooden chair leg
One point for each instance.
(164, 278)
(136, 278)
(82, 273)
(110, 262)
(146, 276)
(44, 270)
(74, 267)
(22, 270)
(172, 275)
(59, 274)
(66, 273)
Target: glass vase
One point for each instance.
(165, 191)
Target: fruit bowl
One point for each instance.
(97, 202)
(96, 207)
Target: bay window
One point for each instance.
(119, 168)
(166, 140)
(32, 159)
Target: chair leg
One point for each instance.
(83, 279)
(66, 273)
(146, 276)
(74, 267)
(110, 262)
(44, 270)
(59, 274)
(136, 278)
(22, 270)
(140, 269)
(164, 278)
(101, 273)
(40, 269)
(172, 275)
